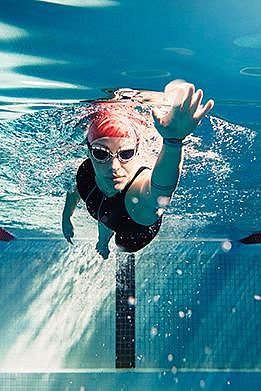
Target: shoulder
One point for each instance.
(85, 165)
(85, 168)
(138, 200)
(85, 178)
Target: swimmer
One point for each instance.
(122, 194)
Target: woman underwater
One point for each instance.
(124, 196)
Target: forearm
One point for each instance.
(105, 233)
(71, 201)
(166, 172)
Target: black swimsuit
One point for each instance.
(111, 211)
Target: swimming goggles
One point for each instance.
(102, 154)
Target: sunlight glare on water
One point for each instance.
(60, 308)
(83, 3)
(9, 32)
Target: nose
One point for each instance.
(115, 163)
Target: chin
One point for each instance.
(119, 185)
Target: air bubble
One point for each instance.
(135, 200)
(226, 245)
(132, 300)
(180, 51)
(163, 201)
(156, 298)
(160, 212)
(251, 71)
(154, 331)
(174, 370)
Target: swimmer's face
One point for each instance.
(114, 171)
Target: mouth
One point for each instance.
(116, 178)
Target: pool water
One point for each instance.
(197, 287)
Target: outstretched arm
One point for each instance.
(71, 201)
(182, 119)
(155, 188)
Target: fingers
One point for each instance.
(188, 97)
(202, 111)
(68, 236)
(185, 105)
(156, 115)
(196, 101)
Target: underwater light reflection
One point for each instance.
(58, 307)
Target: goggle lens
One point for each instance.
(127, 154)
(102, 154)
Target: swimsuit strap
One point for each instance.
(86, 173)
(126, 188)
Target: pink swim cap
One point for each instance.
(112, 123)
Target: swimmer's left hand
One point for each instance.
(102, 249)
(185, 113)
(68, 229)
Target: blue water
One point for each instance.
(198, 301)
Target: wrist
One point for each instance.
(174, 142)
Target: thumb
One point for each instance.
(156, 115)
